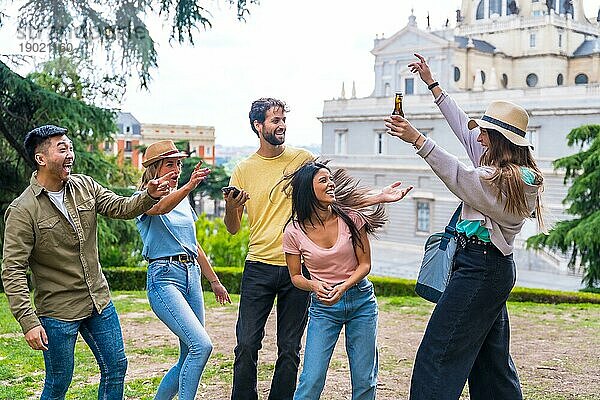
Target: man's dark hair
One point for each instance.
(259, 108)
(38, 136)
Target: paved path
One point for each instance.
(403, 261)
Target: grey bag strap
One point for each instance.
(450, 230)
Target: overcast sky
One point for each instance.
(297, 50)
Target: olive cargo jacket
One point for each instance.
(67, 279)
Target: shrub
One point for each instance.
(222, 248)
(126, 278)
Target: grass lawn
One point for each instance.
(556, 349)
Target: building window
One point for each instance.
(128, 145)
(531, 80)
(380, 142)
(128, 129)
(511, 7)
(495, 7)
(479, 13)
(532, 40)
(107, 145)
(504, 81)
(409, 86)
(537, 13)
(532, 136)
(423, 216)
(560, 40)
(387, 90)
(208, 151)
(482, 77)
(341, 141)
(559, 80)
(456, 74)
(581, 79)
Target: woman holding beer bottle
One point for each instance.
(468, 334)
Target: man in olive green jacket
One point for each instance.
(51, 229)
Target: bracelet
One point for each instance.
(416, 140)
(434, 84)
(216, 280)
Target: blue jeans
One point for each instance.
(468, 334)
(102, 333)
(357, 311)
(261, 283)
(175, 296)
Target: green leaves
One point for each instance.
(579, 236)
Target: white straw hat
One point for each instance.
(507, 118)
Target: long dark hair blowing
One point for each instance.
(507, 159)
(348, 193)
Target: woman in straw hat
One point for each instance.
(468, 334)
(176, 261)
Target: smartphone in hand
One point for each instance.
(228, 189)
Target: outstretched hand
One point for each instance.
(393, 192)
(159, 187)
(422, 69)
(198, 175)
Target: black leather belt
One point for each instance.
(463, 240)
(182, 258)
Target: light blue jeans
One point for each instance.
(357, 312)
(175, 296)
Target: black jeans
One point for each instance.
(261, 283)
(468, 334)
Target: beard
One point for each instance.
(272, 139)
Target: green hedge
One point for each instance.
(134, 278)
(123, 278)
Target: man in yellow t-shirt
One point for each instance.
(266, 276)
(265, 273)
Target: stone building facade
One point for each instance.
(544, 56)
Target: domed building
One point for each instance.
(543, 55)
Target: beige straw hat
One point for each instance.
(507, 118)
(160, 150)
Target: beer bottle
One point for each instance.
(398, 105)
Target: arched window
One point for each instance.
(511, 7)
(504, 80)
(495, 7)
(456, 74)
(531, 80)
(581, 79)
(479, 13)
(565, 7)
(559, 80)
(482, 77)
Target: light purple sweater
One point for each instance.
(479, 197)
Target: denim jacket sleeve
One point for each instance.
(458, 120)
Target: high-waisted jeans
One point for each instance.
(175, 296)
(357, 312)
(468, 334)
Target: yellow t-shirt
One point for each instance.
(268, 207)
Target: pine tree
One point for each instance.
(579, 236)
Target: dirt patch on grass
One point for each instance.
(557, 352)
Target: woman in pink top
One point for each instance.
(332, 241)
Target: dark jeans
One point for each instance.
(102, 332)
(261, 283)
(468, 335)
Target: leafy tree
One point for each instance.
(55, 95)
(580, 235)
(222, 248)
(117, 29)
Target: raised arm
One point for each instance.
(170, 201)
(454, 115)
